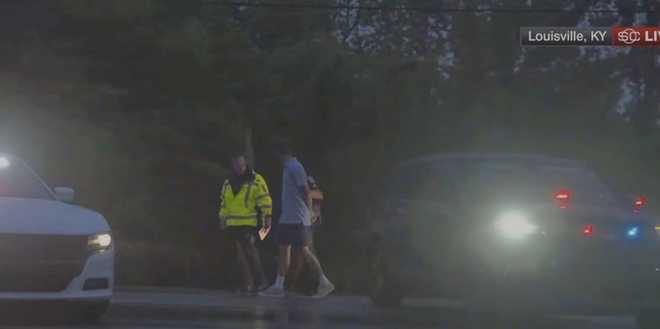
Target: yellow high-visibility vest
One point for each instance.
(245, 207)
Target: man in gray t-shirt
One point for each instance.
(295, 209)
(293, 229)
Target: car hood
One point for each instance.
(36, 216)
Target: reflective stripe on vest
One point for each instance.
(249, 220)
(247, 194)
(262, 196)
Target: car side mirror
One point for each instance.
(65, 194)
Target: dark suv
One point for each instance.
(511, 233)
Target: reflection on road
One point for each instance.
(289, 313)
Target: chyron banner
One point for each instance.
(596, 36)
(636, 36)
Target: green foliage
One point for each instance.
(109, 10)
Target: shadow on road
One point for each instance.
(42, 314)
(311, 315)
(292, 313)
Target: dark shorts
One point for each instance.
(242, 233)
(295, 235)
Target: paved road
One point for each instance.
(179, 309)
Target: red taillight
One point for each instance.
(640, 202)
(563, 198)
(588, 230)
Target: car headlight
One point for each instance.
(4, 163)
(99, 242)
(514, 225)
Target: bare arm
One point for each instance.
(306, 194)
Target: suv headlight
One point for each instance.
(515, 226)
(99, 242)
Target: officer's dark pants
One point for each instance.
(244, 238)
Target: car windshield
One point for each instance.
(17, 181)
(466, 180)
(535, 181)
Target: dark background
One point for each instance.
(135, 103)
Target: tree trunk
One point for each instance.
(249, 147)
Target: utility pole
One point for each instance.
(249, 146)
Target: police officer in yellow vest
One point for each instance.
(245, 204)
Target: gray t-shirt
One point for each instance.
(294, 206)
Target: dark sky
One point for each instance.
(19, 17)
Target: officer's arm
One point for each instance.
(264, 201)
(221, 212)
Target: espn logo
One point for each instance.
(623, 36)
(636, 36)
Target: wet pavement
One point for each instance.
(178, 309)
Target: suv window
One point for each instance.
(421, 181)
(452, 179)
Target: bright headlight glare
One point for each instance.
(514, 225)
(4, 162)
(99, 242)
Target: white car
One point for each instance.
(51, 250)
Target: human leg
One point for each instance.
(246, 272)
(277, 289)
(325, 287)
(254, 261)
(296, 268)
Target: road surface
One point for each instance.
(196, 309)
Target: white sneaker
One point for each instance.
(273, 291)
(324, 290)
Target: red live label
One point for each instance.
(636, 36)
